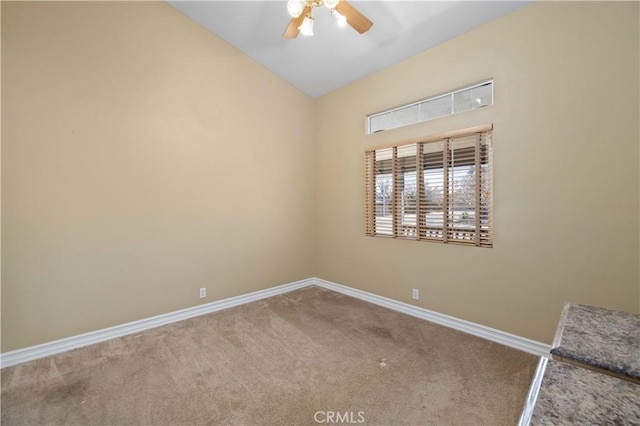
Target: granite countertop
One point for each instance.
(571, 395)
(602, 338)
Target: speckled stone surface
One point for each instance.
(600, 337)
(571, 395)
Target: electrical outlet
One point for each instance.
(416, 294)
(203, 293)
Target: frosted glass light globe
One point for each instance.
(294, 7)
(331, 4)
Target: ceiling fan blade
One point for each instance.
(357, 20)
(292, 30)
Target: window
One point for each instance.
(465, 99)
(435, 189)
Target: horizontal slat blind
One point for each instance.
(485, 194)
(405, 199)
(369, 192)
(383, 192)
(440, 190)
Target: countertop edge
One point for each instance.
(532, 395)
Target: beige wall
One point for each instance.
(566, 170)
(122, 124)
(142, 158)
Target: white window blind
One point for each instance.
(435, 189)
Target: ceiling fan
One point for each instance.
(301, 12)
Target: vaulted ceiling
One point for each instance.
(335, 57)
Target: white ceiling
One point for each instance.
(335, 57)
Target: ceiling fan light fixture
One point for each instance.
(302, 21)
(331, 4)
(341, 20)
(307, 26)
(294, 7)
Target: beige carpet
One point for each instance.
(277, 361)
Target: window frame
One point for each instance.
(464, 154)
(450, 95)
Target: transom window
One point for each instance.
(435, 189)
(466, 99)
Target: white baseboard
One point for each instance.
(30, 353)
(492, 334)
